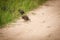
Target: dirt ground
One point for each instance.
(44, 24)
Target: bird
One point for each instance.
(25, 17)
(21, 11)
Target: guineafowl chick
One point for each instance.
(21, 11)
(25, 17)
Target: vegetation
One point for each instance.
(9, 8)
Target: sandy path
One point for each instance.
(44, 25)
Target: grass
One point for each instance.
(9, 9)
